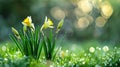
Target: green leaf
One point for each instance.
(17, 43)
(53, 57)
(39, 49)
(45, 47)
(53, 47)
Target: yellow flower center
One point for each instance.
(27, 22)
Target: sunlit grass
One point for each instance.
(90, 53)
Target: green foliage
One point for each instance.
(30, 43)
(49, 46)
(30, 40)
(101, 57)
(49, 41)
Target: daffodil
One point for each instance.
(60, 24)
(15, 33)
(28, 22)
(47, 24)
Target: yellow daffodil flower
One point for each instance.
(60, 24)
(28, 22)
(15, 33)
(47, 24)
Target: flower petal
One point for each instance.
(50, 22)
(27, 21)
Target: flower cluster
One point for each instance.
(31, 41)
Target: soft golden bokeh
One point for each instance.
(100, 21)
(93, 2)
(85, 6)
(78, 12)
(82, 23)
(99, 0)
(90, 19)
(106, 9)
(57, 13)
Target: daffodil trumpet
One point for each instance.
(28, 22)
(47, 24)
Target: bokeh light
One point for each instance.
(106, 9)
(82, 23)
(90, 19)
(78, 12)
(100, 21)
(85, 6)
(57, 13)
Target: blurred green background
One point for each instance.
(83, 19)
